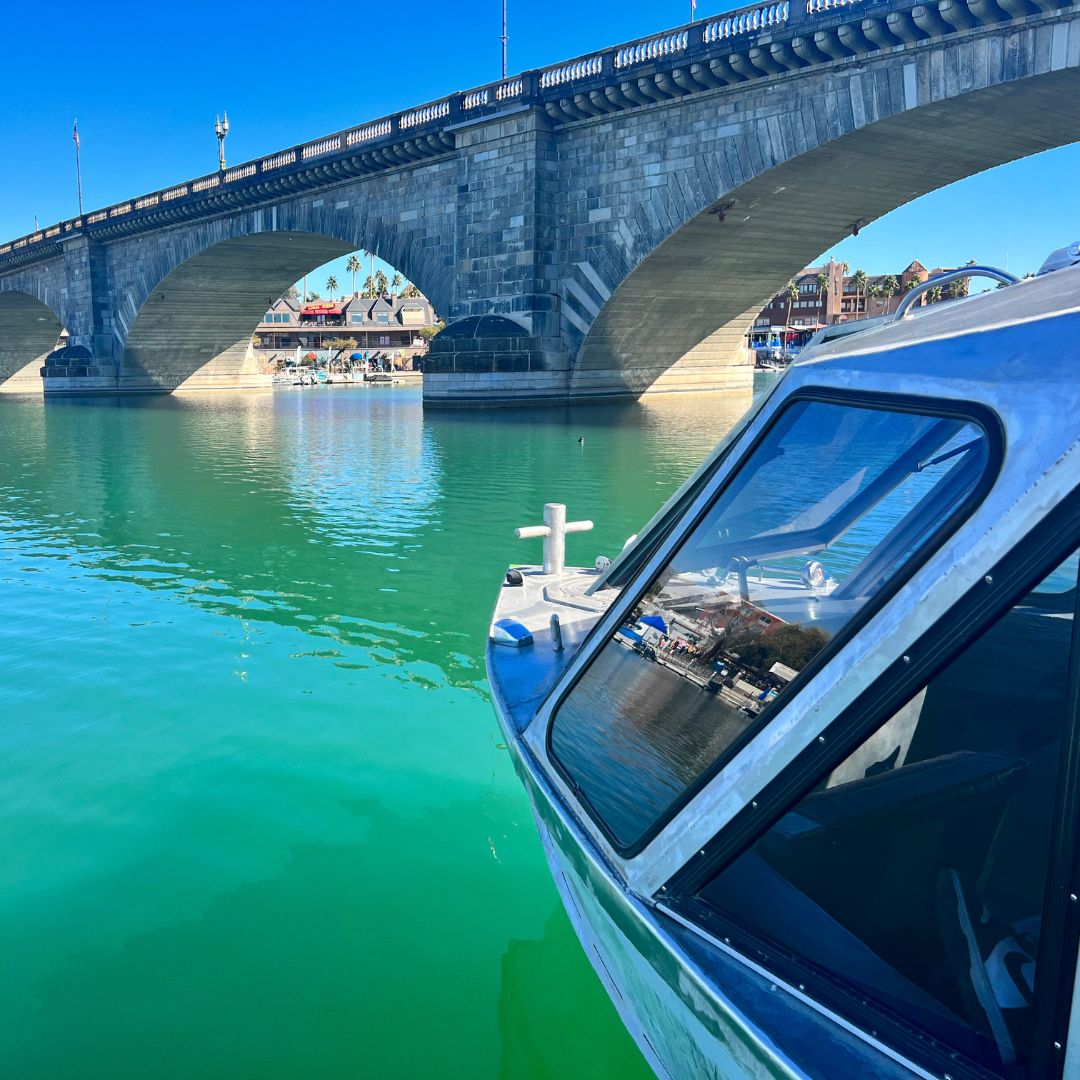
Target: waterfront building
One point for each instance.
(391, 325)
(828, 294)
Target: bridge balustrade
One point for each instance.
(814, 7)
(510, 89)
(424, 114)
(241, 172)
(368, 132)
(323, 146)
(652, 49)
(732, 26)
(475, 98)
(576, 69)
(277, 161)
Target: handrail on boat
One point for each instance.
(1002, 276)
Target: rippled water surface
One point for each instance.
(254, 813)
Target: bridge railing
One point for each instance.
(747, 21)
(530, 87)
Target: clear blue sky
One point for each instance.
(146, 80)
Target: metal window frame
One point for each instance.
(1052, 540)
(712, 488)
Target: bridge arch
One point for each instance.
(29, 330)
(191, 304)
(669, 292)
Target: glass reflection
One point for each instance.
(834, 500)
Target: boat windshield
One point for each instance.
(832, 503)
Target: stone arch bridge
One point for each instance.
(600, 228)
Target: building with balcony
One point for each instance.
(391, 326)
(827, 294)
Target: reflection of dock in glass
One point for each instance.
(731, 645)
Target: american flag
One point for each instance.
(75, 135)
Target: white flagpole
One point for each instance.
(78, 162)
(504, 39)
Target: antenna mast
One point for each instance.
(504, 40)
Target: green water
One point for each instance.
(254, 813)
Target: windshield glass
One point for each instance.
(831, 504)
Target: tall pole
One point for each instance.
(504, 39)
(78, 163)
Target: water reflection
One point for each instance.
(831, 504)
(346, 513)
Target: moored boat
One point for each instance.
(805, 757)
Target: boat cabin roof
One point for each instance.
(1030, 300)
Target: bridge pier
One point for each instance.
(86, 363)
(491, 360)
(500, 372)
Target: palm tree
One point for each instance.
(331, 286)
(381, 282)
(933, 295)
(873, 291)
(353, 266)
(859, 278)
(369, 287)
(963, 286)
(792, 291)
(395, 281)
(889, 288)
(822, 286)
(410, 291)
(371, 263)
